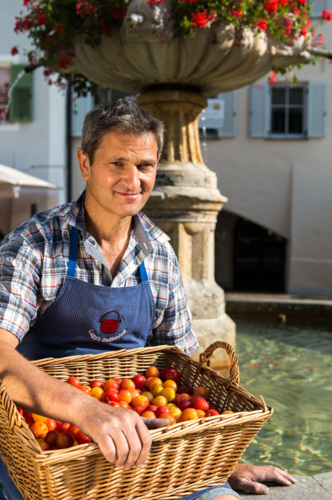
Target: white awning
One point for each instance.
(12, 180)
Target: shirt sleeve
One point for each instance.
(19, 284)
(173, 324)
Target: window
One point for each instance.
(219, 119)
(317, 6)
(16, 94)
(286, 111)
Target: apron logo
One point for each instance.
(109, 322)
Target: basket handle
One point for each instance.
(204, 358)
(14, 418)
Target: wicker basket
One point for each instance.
(185, 457)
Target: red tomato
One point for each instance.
(173, 374)
(50, 437)
(139, 409)
(139, 381)
(73, 430)
(74, 381)
(141, 401)
(148, 414)
(96, 383)
(161, 409)
(63, 427)
(211, 413)
(44, 446)
(82, 438)
(111, 384)
(111, 395)
(184, 404)
(201, 404)
(115, 404)
(185, 389)
(152, 408)
(51, 424)
(170, 417)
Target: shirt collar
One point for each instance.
(144, 231)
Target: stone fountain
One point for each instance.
(174, 76)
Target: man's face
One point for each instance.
(122, 176)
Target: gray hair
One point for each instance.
(122, 116)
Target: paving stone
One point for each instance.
(306, 488)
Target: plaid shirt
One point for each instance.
(34, 261)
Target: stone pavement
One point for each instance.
(306, 488)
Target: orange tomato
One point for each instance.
(135, 392)
(39, 418)
(124, 404)
(149, 395)
(148, 414)
(127, 383)
(39, 429)
(151, 381)
(160, 401)
(111, 384)
(180, 397)
(176, 412)
(152, 371)
(74, 381)
(97, 392)
(202, 391)
(86, 389)
(189, 414)
(200, 413)
(125, 395)
(226, 412)
(170, 383)
(141, 401)
(169, 416)
(51, 424)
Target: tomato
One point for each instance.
(162, 409)
(182, 396)
(149, 395)
(82, 438)
(202, 391)
(173, 374)
(188, 414)
(141, 401)
(86, 389)
(63, 426)
(163, 373)
(176, 412)
(111, 395)
(39, 429)
(51, 424)
(139, 381)
(184, 404)
(124, 404)
(110, 384)
(38, 418)
(96, 383)
(211, 413)
(44, 446)
(151, 381)
(97, 392)
(21, 412)
(156, 389)
(148, 414)
(185, 389)
(115, 404)
(125, 395)
(29, 419)
(200, 413)
(152, 408)
(201, 404)
(170, 417)
(135, 392)
(152, 371)
(168, 393)
(170, 383)
(227, 412)
(73, 430)
(74, 381)
(160, 401)
(127, 383)
(139, 409)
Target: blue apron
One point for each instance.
(88, 319)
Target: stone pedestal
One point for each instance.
(185, 204)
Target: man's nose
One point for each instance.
(132, 178)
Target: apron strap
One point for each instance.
(142, 270)
(72, 251)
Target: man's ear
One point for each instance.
(84, 163)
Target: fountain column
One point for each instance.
(185, 204)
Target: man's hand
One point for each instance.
(122, 435)
(249, 478)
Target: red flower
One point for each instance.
(262, 24)
(199, 20)
(304, 31)
(14, 51)
(41, 19)
(272, 77)
(271, 6)
(64, 62)
(302, 2)
(237, 13)
(326, 15)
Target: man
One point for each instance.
(66, 270)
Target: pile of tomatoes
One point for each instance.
(156, 394)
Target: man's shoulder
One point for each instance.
(153, 232)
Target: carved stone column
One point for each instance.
(185, 204)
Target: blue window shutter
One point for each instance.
(259, 110)
(230, 121)
(21, 97)
(317, 6)
(317, 109)
(80, 107)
